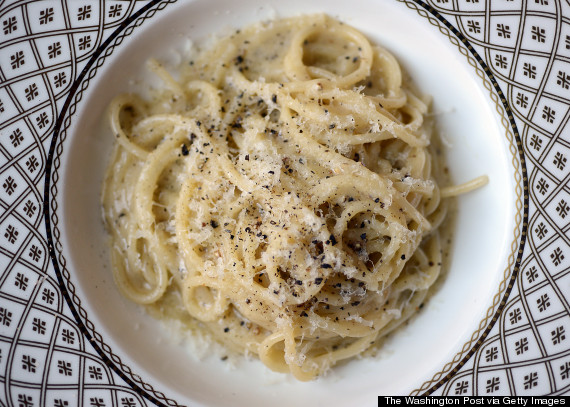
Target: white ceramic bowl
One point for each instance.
(473, 123)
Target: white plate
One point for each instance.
(468, 339)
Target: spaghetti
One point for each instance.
(282, 192)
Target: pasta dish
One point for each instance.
(283, 190)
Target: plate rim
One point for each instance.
(81, 83)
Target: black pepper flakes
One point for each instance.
(185, 150)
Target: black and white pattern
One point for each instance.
(48, 358)
(526, 46)
(45, 360)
